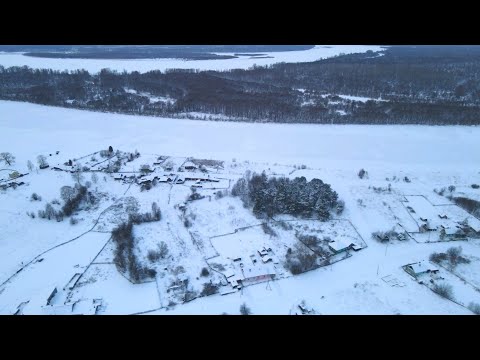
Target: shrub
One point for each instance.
(187, 223)
(284, 225)
(204, 272)
(218, 195)
(245, 310)
(406, 179)
(35, 197)
(361, 173)
(437, 257)
(444, 290)
(209, 289)
(145, 169)
(268, 230)
(475, 186)
(340, 207)
(55, 202)
(300, 260)
(73, 221)
(190, 295)
(72, 204)
(160, 253)
(474, 307)
(451, 188)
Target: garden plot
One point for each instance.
(461, 292)
(218, 217)
(119, 295)
(53, 269)
(245, 243)
(340, 231)
(470, 272)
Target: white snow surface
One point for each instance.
(432, 157)
(145, 65)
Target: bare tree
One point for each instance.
(30, 165)
(42, 161)
(67, 193)
(145, 169)
(78, 175)
(245, 310)
(7, 157)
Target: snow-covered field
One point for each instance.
(431, 157)
(145, 65)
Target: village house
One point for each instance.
(339, 246)
(254, 274)
(189, 166)
(420, 268)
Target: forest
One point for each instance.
(436, 85)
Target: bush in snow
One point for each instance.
(145, 169)
(204, 272)
(88, 184)
(245, 310)
(155, 215)
(284, 225)
(49, 211)
(444, 290)
(94, 178)
(268, 230)
(30, 165)
(451, 188)
(73, 221)
(362, 173)
(55, 202)
(7, 157)
(209, 289)
(475, 186)
(190, 295)
(219, 195)
(42, 161)
(474, 307)
(437, 257)
(73, 201)
(340, 207)
(160, 253)
(104, 153)
(187, 223)
(300, 259)
(35, 197)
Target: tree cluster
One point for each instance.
(298, 197)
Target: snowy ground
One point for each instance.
(145, 65)
(431, 157)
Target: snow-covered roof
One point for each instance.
(422, 267)
(449, 230)
(189, 164)
(228, 273)
(339, 244)
(254, 271)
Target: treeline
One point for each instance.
(423, 85)
(298, 197)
